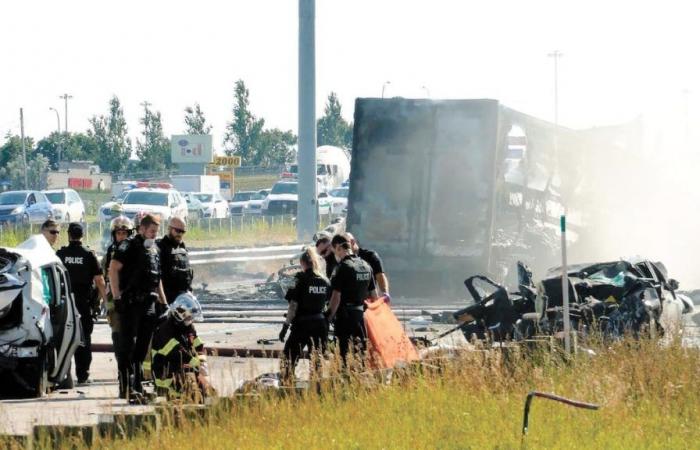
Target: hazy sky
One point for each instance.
(620, 58)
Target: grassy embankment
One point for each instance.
(648, 396)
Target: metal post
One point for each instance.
(306, 213)
(24, 150)
(565, 288)
(65, 98)
(58, 130)
(386, 83)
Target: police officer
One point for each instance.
(375, 262)
(325, 251)
(174, 261)
(307, 300)
(121, 228)
(134, 275)
(179, 362)
(351, 285)
(85, 274)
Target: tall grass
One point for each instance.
(648, 397)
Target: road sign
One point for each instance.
(191, 149)
(228, 161)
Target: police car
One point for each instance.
(39, 322)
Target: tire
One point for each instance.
(35, 374)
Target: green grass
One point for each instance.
(647, 392)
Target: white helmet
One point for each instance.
(186, 309)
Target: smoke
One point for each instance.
(639, 196)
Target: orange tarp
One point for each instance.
(389, 343)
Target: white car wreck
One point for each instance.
(39, 323)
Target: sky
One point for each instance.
(621, 59)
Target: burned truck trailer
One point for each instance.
(443, 189)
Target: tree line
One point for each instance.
(107, 143)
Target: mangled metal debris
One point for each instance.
(614, 299)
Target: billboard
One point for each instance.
(191, 148)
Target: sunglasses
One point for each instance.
(178, 230)
(54, 232)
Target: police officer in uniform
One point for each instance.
(174, 261)
(121, 228)
(351, 285)
(375, 262)
(85, 274)
(179, 362)
(307, 301)
(134, 275)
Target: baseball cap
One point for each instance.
(75, 230)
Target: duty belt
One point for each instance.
(354, 307)
(310, 317)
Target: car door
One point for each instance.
(45, 210)
(32, 208)
(65, 323)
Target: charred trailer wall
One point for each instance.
(423, 178)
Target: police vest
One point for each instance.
(312, 292)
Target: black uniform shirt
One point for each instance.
(310, 291)
(141, 271)
(353, 278)
(372, 258)
(175, 268)
(83, 267)
(331, 263)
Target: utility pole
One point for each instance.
(307, 208)
(24, 150)
(386, 83)
(65, 98)
(146, 104)
(556, 54)
(58, 130)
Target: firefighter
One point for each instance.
(174, 261)
(134, 275)
(179, 364)
(307, 301)
(375, 262)
(351, 285)
(121, 228)
(87, 281)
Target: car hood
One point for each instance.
(241, 203)
(293, 197)
(148, 208)
(11, 206)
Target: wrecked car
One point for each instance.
(39, 322)
(632, 296)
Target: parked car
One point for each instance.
(214, 204)
(165, 203)
(254, 205)
(105, 211)
(283, 199)
(239, 202)
(39, 326)
(24, 207)
(338, 199)
(67, 205)
(195, 208)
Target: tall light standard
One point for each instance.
(58, 131)
(556, 54)
(427, 91)
(386, 83)
(65, 98)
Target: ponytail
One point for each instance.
(310, 258)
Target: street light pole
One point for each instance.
(58, 130)
(384, 87)
(24, 150)
(427, 91)
(65, 98)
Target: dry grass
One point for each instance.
(647, 395)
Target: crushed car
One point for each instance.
(627, 297)
(39, 322)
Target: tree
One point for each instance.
(244, 131)
(12, 167)
(332, 128)
(154, 149)
(195, 121)
(112, 144)
(73, 147)
(275, 147)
